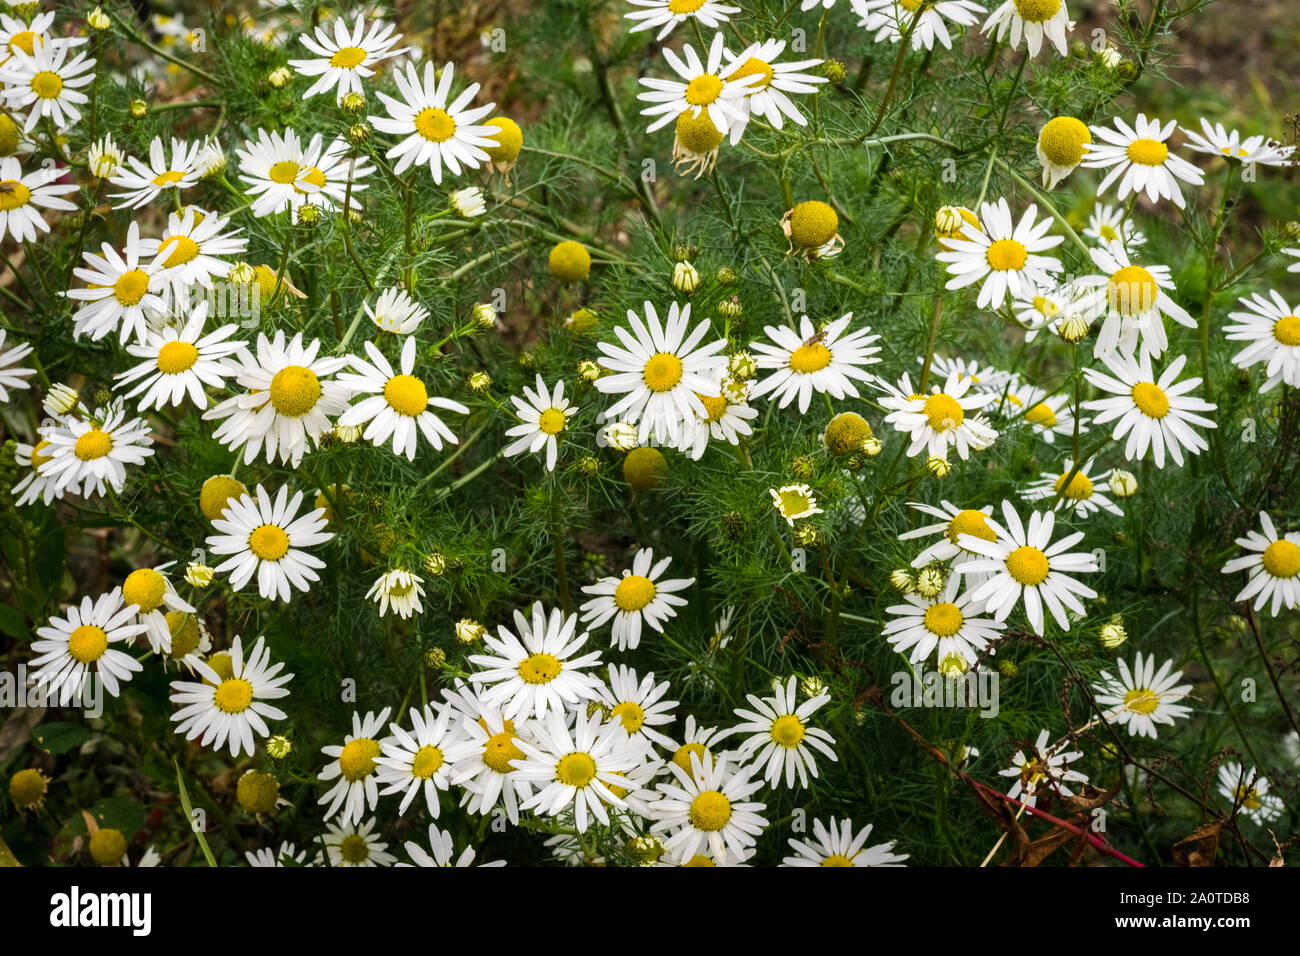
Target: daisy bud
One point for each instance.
(810, 225)
(347, 434)
(570, 262)
(812, 686)
(730, 308)
(871, 447)
(806, 536)
(211, 161)
(845, 433)
(948, 221)
(621, 436)
(644, 468)
(1291, 231)
(1123, 484)
(467, 203)
(98, 20)
(103, 397)
(60, 400)
(354, 103)
(1073, 328)
(588, 467)
(726, 276)
(242, 273)
(1062, 143)
(833, 70)
(359, 133)
(104, 158)
(930, 582)
(595, 707)
(742, 366)
(646, 850)
(279, 78)
(582, 321)
(278, 746)
(1110, 58)
(436, 564)
(1112, 634)
(937, 466)
(901, 580)
(588, 370)
(479, 382)
(308, 214)
(953, 665)
(469, 631)
(434, 658)
(1008, 668)
(257, 792)
(107, 846)
(526, 361)
(485, 317)
(510, 140)
(733, 525)
(803, 467)
(198, 575)
(27, 789)
(138, 109)
(685, 277)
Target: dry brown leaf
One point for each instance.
(1199, 848)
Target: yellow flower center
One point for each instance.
(184, 630)
(944, 412)
(170, 178)
(1150, 400)
(13, 195)
(755, 67)
(1028, 565)
(25, 41)
(631, 713)
(699, 860)
(787, 731)
(176, 357)
(234, 695)
(682, 7)
(1079, 489)
(144, 588)
(357, 761)
(839, 859)
(1247, 797)
(310, 174)
(37, 458)
(47, 85)
(575, 770)
(1046, 307)
(683, 756)
(1062, 140)
(794, 503)
(662, 372)
(1282, 559)
(283, 172)
(427, 761)
(348, 57)
(703, 90)
(1108, 233)
(1041, 414)
(552, 421)
(269, 542)
(714, 406)
(186, 250)
(1286, 329)
(943, 619)
(697, 133)
(813, 224)
(710, 811)
(1007, 255)
(499, 750)
(807, 359)
(130, 287)
(87, 643)
(1147, 152)
(539, 668)
(406, 394)
(1037, 11)
(1141, 700)
(1131, 291)
(435, 125)
(634, 592)
(970, 522)
(93, 444)
(353, 849)
(295, 390)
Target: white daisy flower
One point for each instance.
(395, 311)
(1081, 497)
(150, 591)
(767, 95)
(401, 589)
(48, 82)
(669, 13)
(638, 707)
(356, 844)
(19, 35)
(1218, 141)
(74, 649)
(1048, 416)
(355, 766)
(416, 762)
(813, 361)
(1155, 414)
(191, 249)
(267, 539)
(396, 405)
(283, 174)
(890, 20)
(984, 378)
(1143, 697)
(700, 89)
(575, 769)
(704, 743)
(544, 416)
(1134, 299)
(939, 420)
(794, 502)
(268, 857)
(1273, 563)
(231, 707)
(538, 670)
(641, 595)
(1273, 330)
(36, 484)
(11, 375)
(954, 522)
(179, 362)
(1248, 791)
(948, 622)
(1107, 224)
(483, 757)
(344, 59)
(289, 399)
(706, 808)
(22, 198)
(92, 452)
(437, 130)
(838, 845)
(1025, 564)
(1003, 256)
(141, 184)
(1141, 156)
(661, 372)
(121, 294)
(781, 737)
(441, 849)
(1036, 20)
(1044, 769)
(729, 415)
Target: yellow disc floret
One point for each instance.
(813, 224)
(570, 262)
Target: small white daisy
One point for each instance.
(231, 707)
(356, 844)
(1044, 769)
(150, 591)
(395, 311)
(192, 248)
(286, 855)
(416, 762)
(355, 766)
(69, 650)
(1273, 330)
(11, 374)
(440, 852)
(939, 420)
(1107, 224)
(121, 294)
(94, 451)
(707, 807)
(1141, 156)
(344, 59)
(813, 361)
(483, 757)
(768, 93)
(283, 174)
(1048, 416)
(1143, 697)
(701, 88)
(48, 82)
(267, 539)
(141, 184)
(1273, 563)
(1134, 300)
(401, 589)
(1003, 256)
(839, 846)
(890, 20)
(948, 622)
(954, 522)
(21, 198)
(544, 415)
(638, 707)
(640, 596)
(1081, 496)
(781, 736)
(179, 362)
(669, 13)
(1248, 791)
(794, 502)
(1218, 141)
(1036, 20)
(729, 415)
(36, 484)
